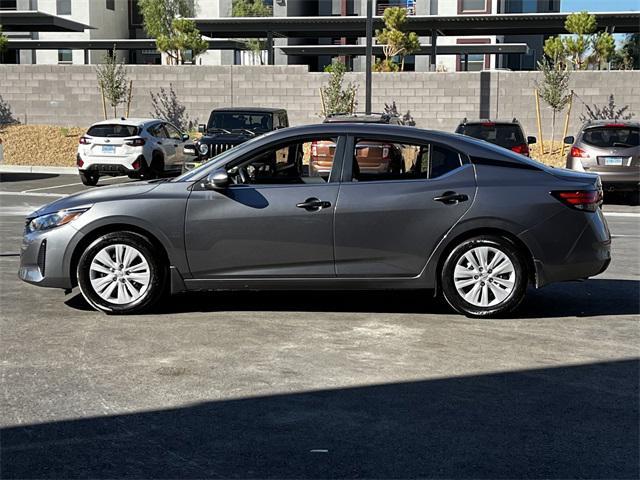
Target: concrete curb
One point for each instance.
(38, 169)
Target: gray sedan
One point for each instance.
(464, 218)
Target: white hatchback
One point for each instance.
(138, 147)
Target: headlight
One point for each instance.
(53, 220)
(203, 148)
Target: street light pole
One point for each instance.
(369, 53)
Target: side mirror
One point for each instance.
(202, 128)
(217, 180)
(185, 137)
(190, 150)
(570, 140)
(531, 140)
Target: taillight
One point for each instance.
(84, 141)
(314, 149)
(385, 151)
(615, 125)
(587, 200)
(135, 142)
(578, 153)
(79, 161)
(521, 149)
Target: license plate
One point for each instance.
(108, 149)
(613, 160)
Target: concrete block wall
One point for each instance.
(68, 95)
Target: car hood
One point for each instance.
(95, 195)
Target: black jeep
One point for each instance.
(228, 127)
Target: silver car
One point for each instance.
(610, 148)
(471, 220)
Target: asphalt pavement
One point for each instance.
(318, 384)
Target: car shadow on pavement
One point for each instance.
(595, 297)
(576, 421)
(25, 177)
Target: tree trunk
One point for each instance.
(553, 130)
(402, 65)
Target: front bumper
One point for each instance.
(45, 257)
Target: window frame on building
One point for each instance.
(462, 11)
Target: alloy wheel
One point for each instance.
(484, 276)
(120, 274)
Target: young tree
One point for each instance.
(396, 41)
(554, 49)
(336, 98)
(184, 38)
(3, 41)
(175, 35)
(630, 52)
(554, 90)
(113, 81)
(581, 25)
(252, 8)
(604, 46)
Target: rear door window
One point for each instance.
(506, 135)
(376, 159)
(610, 137)
(113, 131)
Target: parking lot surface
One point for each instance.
(318, 384)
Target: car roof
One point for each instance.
(381, 118)
(601, 123)
(249, 109)
(137, 122)
(475, 121)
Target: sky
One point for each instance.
(599, 5)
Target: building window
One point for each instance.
(382, 5)
(473, 62)
(65, 55)
(135, 17)
(111, 5)
(474, 6)
(63, 7)
(8, 5)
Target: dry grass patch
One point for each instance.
(552, 156)
(40, 145)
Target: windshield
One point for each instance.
(505, 135)
(240, 121)
(608, 137)
(113, 130)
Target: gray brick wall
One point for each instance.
(68, 95)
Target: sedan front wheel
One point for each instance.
(121, 273)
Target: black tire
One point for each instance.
(495, 307)
(87, 178)
(145, 172)
(157, 165)
(158, 274)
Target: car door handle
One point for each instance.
(451, 198)
(313, 204)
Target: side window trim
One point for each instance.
(347, 168)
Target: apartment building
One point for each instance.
(121, 19)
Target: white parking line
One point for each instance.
(621, 214)
(68, 185)
(33, 194)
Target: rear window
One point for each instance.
(114, 130)
(608, 137)
(504, 135)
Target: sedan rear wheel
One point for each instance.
(484, 276)
(120, 273)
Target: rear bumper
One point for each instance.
(570, 246)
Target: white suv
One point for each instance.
(137, 147)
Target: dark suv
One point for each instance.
(228, 127)
(504, 133)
